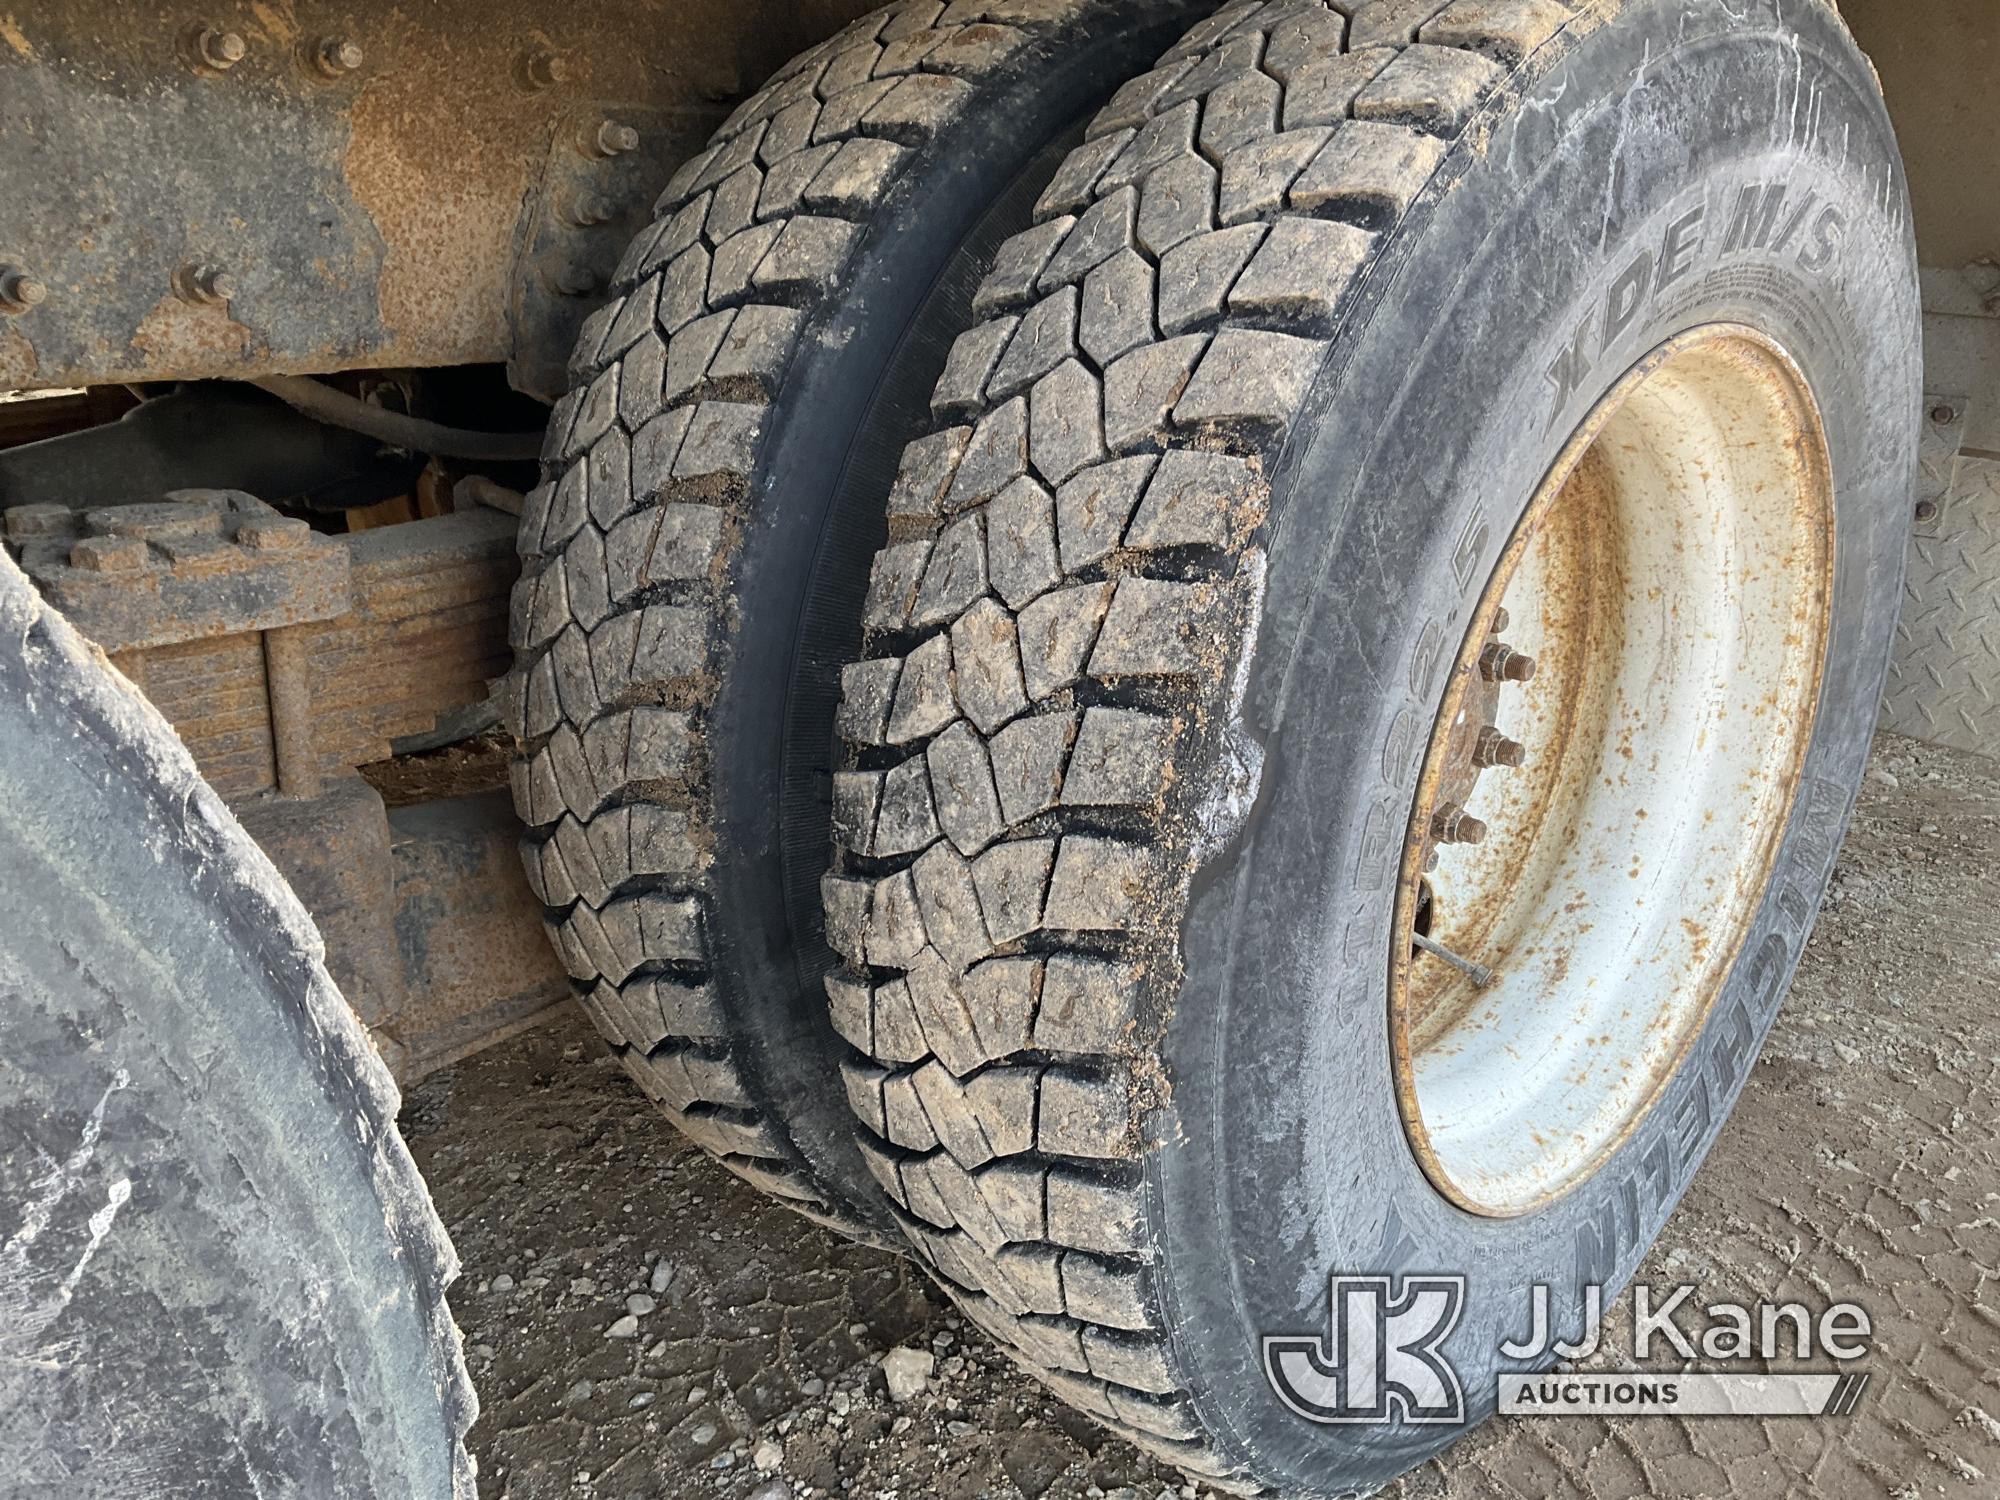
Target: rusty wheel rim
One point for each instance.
(1611, 771)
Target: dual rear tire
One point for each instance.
(1240, 418)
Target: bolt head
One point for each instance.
(1927, 511)
(1500, 662)
(1495, 749)
(543, 70)
(204, 286)
(21, 290)
(221, 49)
(340, 54)
(589, 209)
(1452, 824)
(614, 139)
(1944, 415)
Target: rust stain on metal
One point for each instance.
(378, 635)
(468, 931)
(19, 368)
(287, 672)
(277, 23)
(213, 692)
(333, 848)
(177, 334)
(440, 153)
(429, 925)
(198, 565)
(391, 210)
(428, 631)
(1571, 529)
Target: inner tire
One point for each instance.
(1123, 1033)
(669, 671)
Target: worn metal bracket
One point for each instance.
(239, 189)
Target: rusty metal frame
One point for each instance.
(235, 189)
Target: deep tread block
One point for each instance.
(631, 542)
(1147, 344)
(1433, 88)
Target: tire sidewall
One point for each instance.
(1283, 1158)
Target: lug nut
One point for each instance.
(204, 286)
(611, 139)
(540, 70)
(21, 290)
(1500, 618)
(337, 56)
(587, 210)
(218, 49)
(1494, 749)
(577, 281)
(1500, 662)
(1452, 824)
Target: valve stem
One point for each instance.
(1479, 974)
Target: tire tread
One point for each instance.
(1054, 631)
(629, 543)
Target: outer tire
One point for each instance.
(692, 577)
(221, 1265)
(1120, 1043)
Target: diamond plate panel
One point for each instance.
(1944, 682)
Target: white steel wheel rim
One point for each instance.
(1671, 581)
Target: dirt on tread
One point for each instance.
(629, 545)
(1032, 781)
(1863, 1163)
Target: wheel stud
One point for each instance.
(1500, 662)
(1452, 824)
(1494, 749)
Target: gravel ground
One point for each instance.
(639, 1323)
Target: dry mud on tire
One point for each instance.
(1862, 1164)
